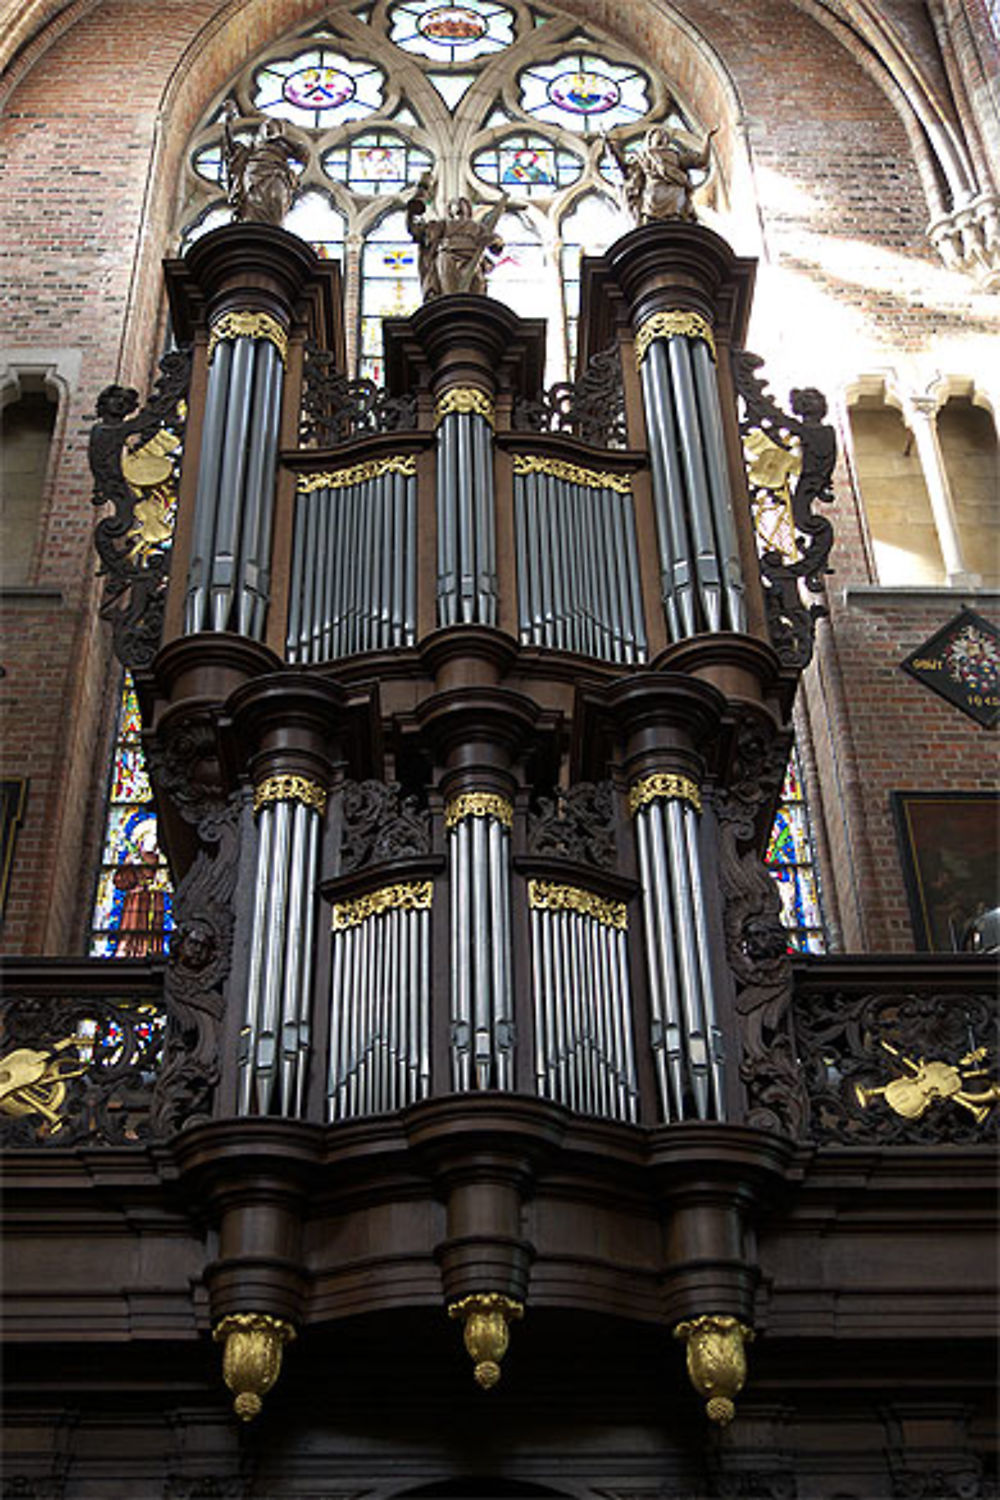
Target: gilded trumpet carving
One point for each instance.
(487, 1317)
(251, 1360)
(716, 1361)
(925, 1084)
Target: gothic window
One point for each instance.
(29, 414)
(490, 98)
(792, 862)
(133, 915)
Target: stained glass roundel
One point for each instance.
(319, 88)
(451, 33)
(584, 93)
(452, 23)
(584, 90)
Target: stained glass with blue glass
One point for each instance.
(791, 861)
(133, 911)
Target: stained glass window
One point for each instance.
(314, 217)
(377, 162)
(318, 88)
(583, 91)
(472, 92)
(452, 87)
(792, 863)
(390, 286)
(594, 224)
(528, 166)
(451, 33)
(133, 915)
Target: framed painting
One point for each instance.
(949, 844)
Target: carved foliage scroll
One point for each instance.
(201, 950)
(790, 463)
(576, 824)
(380, 824)
(756, 944)
(135, 461)
(591, 409)
(335, 409)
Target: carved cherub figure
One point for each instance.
(260, 178)
(657, 177)
(457, 252)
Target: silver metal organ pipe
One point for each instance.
(708, 572)
(231, 483)
(707, 387)
(296, 587)
(207, 495)
(265, 1068)
(447, 521)
(460, 975)
(661, 961)
(251, 1014)
(692, 1005)
(465, 509)
(255, 540)
(410, 614)
(716, 1056)
(668, 495)
(523, 577)
(584, 1056)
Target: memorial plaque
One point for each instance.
(961, 662)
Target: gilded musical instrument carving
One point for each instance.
(927, 1083)
(34, 1082)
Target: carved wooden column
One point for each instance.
(687, 298)
(239, 292)
(664, 721)
(467, 350)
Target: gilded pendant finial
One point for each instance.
(716, 1361)
(487, 1317)
(251, 1360)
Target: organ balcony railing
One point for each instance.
(889, 1050)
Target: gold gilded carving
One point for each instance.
(595, 479)
(248, 325)
(487, 1317)
(464, 399)
(544, 895)
(289, 788)
(251, 1360)
(716, 1361)
(149, 470)
(663, 784)
(912, 1094)
(665, 325)
(415, 895)
(397, 463)
(478, 805)
(34, 1083)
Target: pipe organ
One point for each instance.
(462, 563)
(460, 710)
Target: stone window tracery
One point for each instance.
(490, 97)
